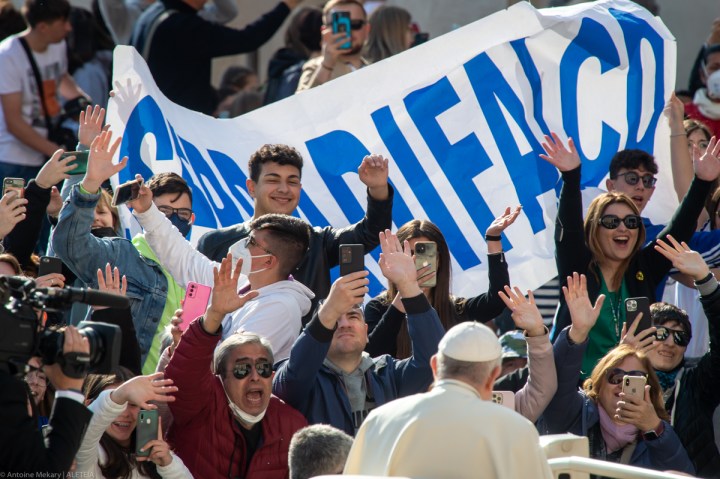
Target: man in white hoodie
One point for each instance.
(276, 245)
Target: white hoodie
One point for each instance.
(276, 313)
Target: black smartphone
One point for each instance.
(80, 161)
(146, 430)
(633, 308)
(341, 24)
(49, 264)
(352, 258)
(420, 38)
(126, 192)
(426, 255)
(14, 184)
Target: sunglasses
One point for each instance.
(242, 370)
(681, 338)
(184, 214)
(357, 24)
(632, 178)
(616, 375)
(631, 222)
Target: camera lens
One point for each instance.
(420, 248)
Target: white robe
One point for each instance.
(449, 433)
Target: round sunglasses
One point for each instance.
(242, 370)
(631, 222)
(616, 375)
(632, 178)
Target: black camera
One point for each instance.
(24, 337)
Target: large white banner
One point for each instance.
(460, 118)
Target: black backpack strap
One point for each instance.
(38, 80)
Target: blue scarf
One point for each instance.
(667, 379)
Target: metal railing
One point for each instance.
(576, 467)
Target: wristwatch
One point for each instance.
(653, 434)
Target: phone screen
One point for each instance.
(126, 192)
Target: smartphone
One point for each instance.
(634, 386)
(426, 254)
(352, 258)
(126, 192)
(80, 161)
(48, 265)
(14, 184)
(197, 297)
(635, 306)
(341, 24)
(420, 38)
(146, 430)
(504, 398)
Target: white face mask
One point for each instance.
(241, 415)
(240, 251)
(712, 85)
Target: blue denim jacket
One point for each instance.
(83, 253)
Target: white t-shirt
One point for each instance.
(16, 75)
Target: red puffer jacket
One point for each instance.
(204, 433)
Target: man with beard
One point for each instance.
(336, 61)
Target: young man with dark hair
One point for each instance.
(154, 295)
(24, 143)
(275, 185)
(276, 243)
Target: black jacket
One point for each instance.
(22, 448)
(693, 403)
(184, 44)
(323, 252)
(647, 267)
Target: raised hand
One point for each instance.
(91, 124)
(644, 340)
(503, 221)
(564, 159)
(100, 166)
(110, 282)
(54, 170)
(175, 330)
(225, 298)
(140, 390)
(707, 166)
(373, 172)
(683, 258)
(582, 313)
(525, 313)
(126, 97)
(145, 197)
(159, 449)
(345, 293)
(675, 113)
(397, 265)
(12, 212)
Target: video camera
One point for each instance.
(24, 337)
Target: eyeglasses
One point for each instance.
(632, 178)
(631, 222)
(184, 214)
(681, 338)
(357, 24)
(250, 241)
(615, 375)
(242, 370)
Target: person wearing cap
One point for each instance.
(329, 377)
(455, 430)
(514, 351)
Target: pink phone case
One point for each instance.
(197, 297)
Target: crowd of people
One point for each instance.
(285, 372)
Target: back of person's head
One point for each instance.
(11, 20)
(597, 381)
(389, 33)
(632, 160)
(277, 153)
(85, 39)
(336, 3)
(235, 79)
(287, 237)
(469, 352)
(230, 344)
(13, 265)
(36, 11)
(303, 33)
(242, 102)
(169, 183)
(663, 313)
(318, 450)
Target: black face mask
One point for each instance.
(182, 225)
(104, 232)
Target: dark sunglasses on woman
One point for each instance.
(632, 222)
(616, 375)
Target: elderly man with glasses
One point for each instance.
(226, 422)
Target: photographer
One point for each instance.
(22, 448)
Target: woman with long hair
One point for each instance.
(385, 315)
(610, 246)
(108, 447)
(620, 427)
(390, 33)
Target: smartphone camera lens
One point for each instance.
(420, 248)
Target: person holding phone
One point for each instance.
(609, 246)
(108, 447)
(620, 428)
(385, 315)
(336, 59)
